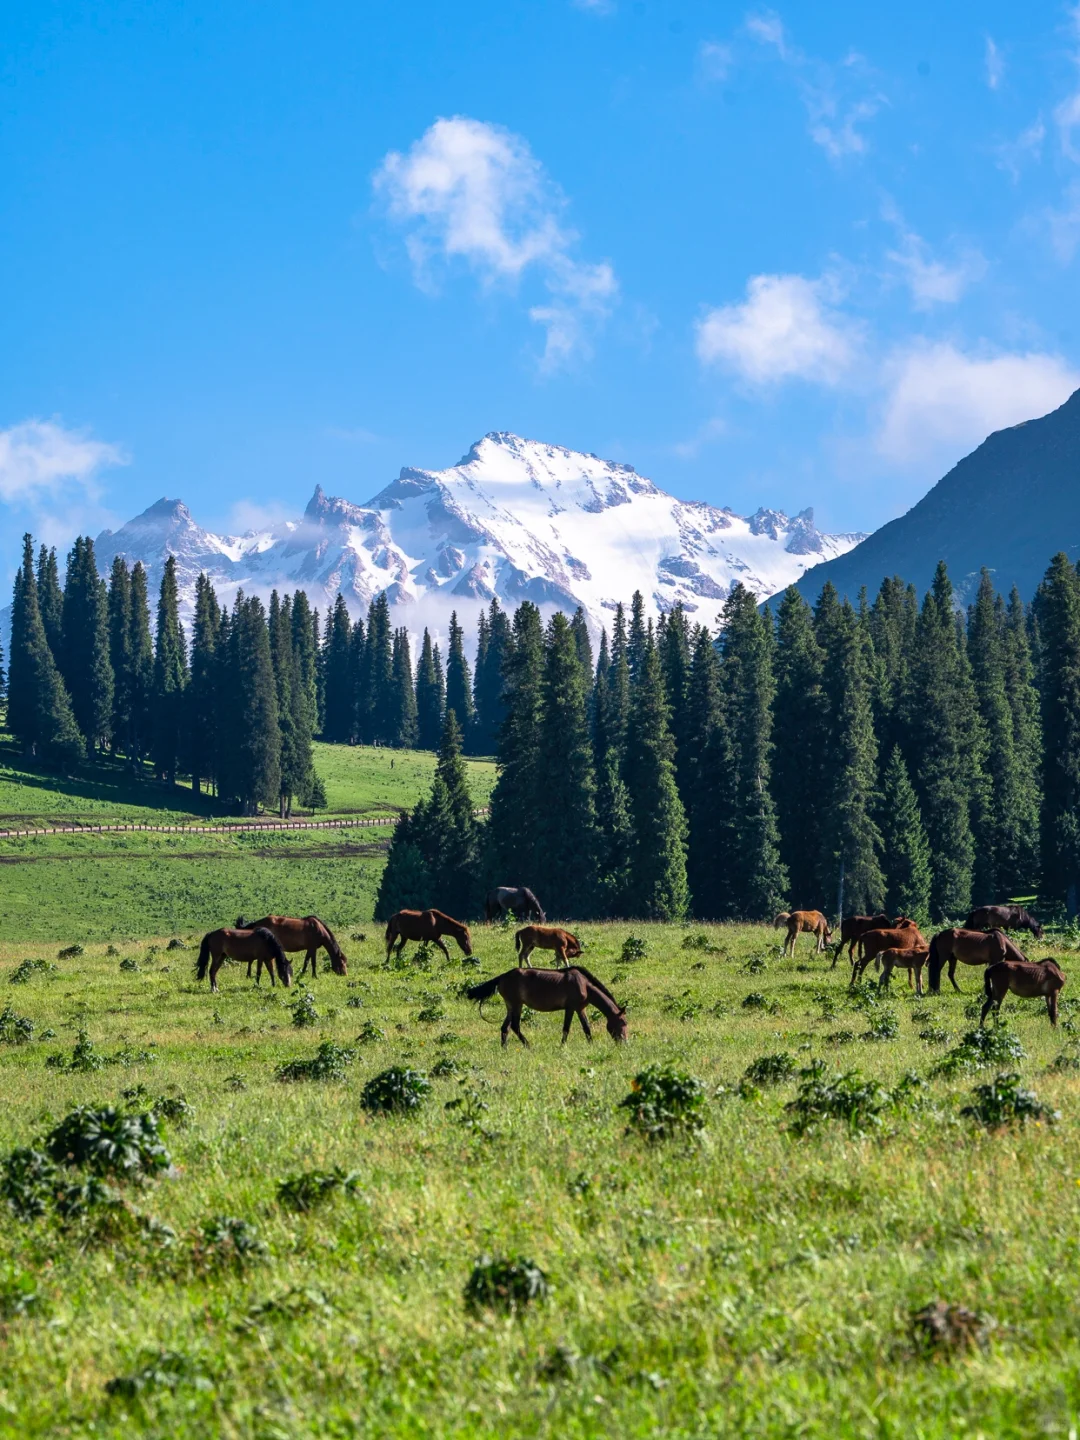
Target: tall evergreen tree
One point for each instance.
(800, 712)
(618, 684)
(518, 784)
(458, 681)
(1058, 611)
(893, 617)
(403, 718)
(170, 678)
(905, 848)
(305, 645)
(710, 785)
(84, 653)
(673, 644)
(359, 717)
(203, 697)
(598, 702)
(375, 705)
(294, 723)
(491, 650)
(120, 652)
(51, 601)
(658, 888)
(39, 709)
(430, 695)
(1023, 700)
(251, 755)
(340, 701)
(141, 660)
(637, 638)
(580, 627)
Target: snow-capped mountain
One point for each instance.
(514, 518)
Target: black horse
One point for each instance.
(1003, 917)
(516, 900)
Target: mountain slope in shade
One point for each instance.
(516, 519)
(1009, 505)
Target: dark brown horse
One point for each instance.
(799, 922)
(261, 945)
(546, 937)
(1003, 917)
(310, 934)
(852, 927)
(425, 925)
(1026, 979)
(904, 935)
(969, 947)
(568, 990)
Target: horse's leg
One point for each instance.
(952, 975)
(568, 1020)
(515, 1025)
(585, 1024)
(560, 954)
(215, 965)
(443, 948)
(506, 1028)
(1052, 1007)
(886, 976)
(250, 963)
(270, 968)
(918, 981)
(526, 951)
(988, 1005)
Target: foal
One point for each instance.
(799, 921)
(546, 937)
(909, 960)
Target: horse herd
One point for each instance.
(898, 944)
(893, 944)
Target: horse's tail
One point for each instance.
(781, 919)
(280, 959)
(518, 942)
(969, 923)
(934, 964)
(484, 990)
(203, 962)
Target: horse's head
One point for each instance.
(617, 1027)
(465, 940)
(1036, 928)
(338, 963)
(573, 947)
(284, 969)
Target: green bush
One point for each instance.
(311, 1188)
(397, 1090)
(162, 1370)
(304, 1013)
(27, 969)
(506, 1284)
(846, 1096)
(634, 948)
(1004, 1101)
(770, 1069)
(979, 1050)
(664, 1103)
(111, 1142)
(328, 1063)
(28, 1179)
(15, 1029)
(226, 1243)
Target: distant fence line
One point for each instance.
(252, 827)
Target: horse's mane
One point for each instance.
(326, 927)
(449, 920)
(598, 983)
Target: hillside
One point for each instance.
(1009, 505)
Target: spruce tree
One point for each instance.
(618, 684)
(39, 708)
(405, 883)
(1058, 610)
(905, 848)
(170, 678)
(305, 645)
(296, 767)
(615, 839)
(673, 644)
(51, 601)
(458, 681)
(637, 639)
(518, 788)
(599, 702)
(755, 878)
(893, 617)
(565, 835)
(84, 653)
(710, 786)
(429, 696)
(339, 704)
(800, 712)
(375, 703)
(1023, 700)
(141, 660)
(403, 720)
(580, 626)
(358, 696)
(491, 650)
(254, 747)
(658, 888)
(120, 652)
(203, 698)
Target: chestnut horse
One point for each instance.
(546, 937)
(798, 921)
(1025, 978)
(257, 944)
(567, 990)
(852, 927)
(904, 935)
(1003, 917)
(308, 934)
(970, 947)
(426, 925)
(909, 960)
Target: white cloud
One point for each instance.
(1064, 225)
(995, 64)
(943, 402)
(714, 60)
(475, 192)
(767, 27)
(41, 457)
(785, 329)
(596, 7)
(1027, 146)
(931, 281)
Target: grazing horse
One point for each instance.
(1026, 979)
(567, 990)
(258, 944)
(426, 925)
(308, 934)
(854, 926)
(516, 900)
(798, 921)
(909, 960)
(546, 937)
(904, 935)
(970, 947)
(1003, 917)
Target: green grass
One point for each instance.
(751, 1284)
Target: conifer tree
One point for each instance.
(580, 626)
(406, 882)
(755, 879)
(340, 701)
(710, 785)
(1023, 700)
(615, 839)
(905, 848)
(1058, 609)
(429, 695)
(120, 652)
(251, 755)
(403, 719)
(296, 767)
(141, 660)
(458, 681)
(800, 712)
(359, 698)
(39, 709)
(51, 601)
(565, 833)
(375, 703)
(170, 678)
(518, 785)
(658, 888)
(203, 698)
(893, 617)
(492, 643)
(84, 655)
(618, 685)
(305, 645)
(598, 702)
(636, 641)
(673, 644)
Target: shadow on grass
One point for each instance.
(108, 781)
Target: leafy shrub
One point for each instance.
(700, 941)
(175, 1109)
(176, 944)
(226, 1243)
(935, 1035)
(432, 1013)
(70, 952)
(448, 1038)
(634, 947)
(770, 1069)
(756, 1001)
(980, 1049)
(664, 1102)
(161, 1370)
(370, 1033)
(106, 1141)
(15, 1029)
(470, 1108)
(328, 1063)
(1065, 1062)
(840, 1037)
(506, 1284)
(397, 1090)
(755, 965)
(83, 1057)
(883, 1027)
(1003, 1101)
(845, 1096)
(311, 1188)
(27, 1181)
(446, 1066)
(943, 1327)
(27, 969)
(354, 1002)
(129, 965)
(304, 1013)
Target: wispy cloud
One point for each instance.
(40, 458)
(931, 281)
(1027, 147)
(714, 61)
(1063, 224)
(474, 192)
(785, 329)
(596, 7)
(994, 62)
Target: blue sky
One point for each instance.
(791, 256)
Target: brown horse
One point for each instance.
(546, 937)
(308, 934)
(852, 927)
(567, 990)
(1026, 979)
(811, 922)
(909, 960)
(970, 947)
(426, 925)
(904, 935)
(258, 944)
(1003, 917)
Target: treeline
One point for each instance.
(843, 757)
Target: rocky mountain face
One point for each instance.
(514, 518)
(1009, 505)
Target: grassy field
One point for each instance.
(749, 1282)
